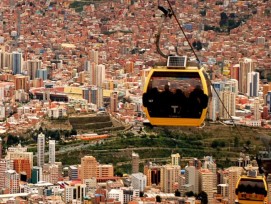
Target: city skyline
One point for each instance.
(69, 70)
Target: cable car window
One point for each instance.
(251, 189)
(175, 95)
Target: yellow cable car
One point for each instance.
(251, 190)
(176, 94)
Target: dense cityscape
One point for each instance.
(75, 70)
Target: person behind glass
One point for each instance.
(179, 102)
(197, 101)
(165, 99)
(151, 101)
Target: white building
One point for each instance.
(139, 181)
(116, 194)
(57, 112)
(52, 151)
(74, 193)
(206, 183)
(192, 177)
(40, 149)
(4, 166)
(12, 181)
(129, 194)
(91, 184)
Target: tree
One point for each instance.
(203, 12)
(40, 129)
(177, 193)
(236, 141)
(214, 144)
(203, 197)
(189, 193)
(12, 140)
(73, 131)
(158, 199)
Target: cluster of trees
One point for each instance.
(231, 21)
(54, 134)
(202, 196)
(218, 143)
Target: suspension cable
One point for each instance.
(208, 79)
(173, 13)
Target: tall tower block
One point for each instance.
(41, 150)
(135, 163)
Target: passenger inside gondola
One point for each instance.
(197, 101)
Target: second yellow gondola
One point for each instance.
(251, 190)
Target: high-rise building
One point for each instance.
(231, 85)
(233, 176)
(2, 59)
(40, 150)
(2, 111)
(12, 181)
(153, 173)
(206, 183)
(96, 96)
(36, 174)
(116, 194)
(50, 173)
(19, 152)
(234, 72)
(92, 70)
(114, 102)
(229, 100)
(32, 68)
(213, 108)
(256, 112)
(2, 93)
(253, 84)
(74, 192)
(266, 88)
(17, 62)
(91, 184)
(7, 61)
(135, 162)
(87, 65)
(105, 170)
(130, 194)
(210, 164)
(139, 181)
(73, 172)
(1, 148)
(38, 83)
(246, 65)
(42, 74)
(4, 166)
(268, 101)
(169, 177)
(23, 166)
(100, 75)
(175, 159)
(94, 56)
(93, 95)
(52, 151)
(192, 178)
(88, 167)
(265, 113)
(21, 82)
(129, 67)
